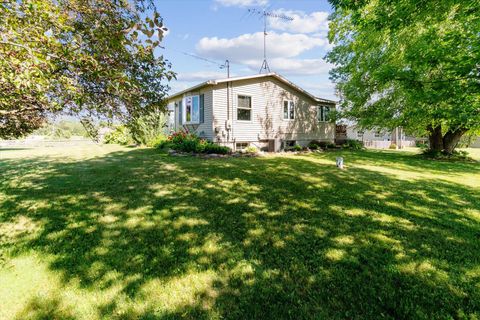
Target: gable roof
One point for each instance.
(272, 74)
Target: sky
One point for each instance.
(217, 30)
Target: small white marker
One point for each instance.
(340, 162)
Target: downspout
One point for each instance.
(228, 111)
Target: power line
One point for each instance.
(225, 65)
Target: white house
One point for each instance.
(264, 110)
(380, 138)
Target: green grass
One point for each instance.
(101, 232)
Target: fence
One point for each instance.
(374, 144)
(40, 143)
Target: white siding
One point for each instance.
(267, 113)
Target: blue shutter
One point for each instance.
(180, 112)
(202, 108)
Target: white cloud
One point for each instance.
(323, 89)
(241, 3)
(201, 76)
(315, 22)
(299, 66)
(250, 46)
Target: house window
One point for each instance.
(378, 134)
(191, 105)
(244, 108)
(288, 110)
(359, 134)
(323, 114)
(241, 145)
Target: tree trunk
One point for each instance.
(435, 138)
(451, 138)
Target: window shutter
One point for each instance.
(180, 112)
(202, 108)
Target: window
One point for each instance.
(323, 114)
(288, 110)
(244, 108)
(241, 145)
(378, 134)
(191, 107)
(359, 134)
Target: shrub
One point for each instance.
(189, 142)
(297, 147)
(353, 144)
(251, 149)
(323, 144)
(147, 128)
(211, 147)
(421, 144)
(157, 142)
(186, 142)
(313, 145)
(120, 135)
(392, 146)
(440, 155)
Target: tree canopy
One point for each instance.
(409, 63)
(92, 59)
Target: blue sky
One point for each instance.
(223, 29)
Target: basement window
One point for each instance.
(244, 108)
(241, 146)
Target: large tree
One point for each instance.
(91, 58)
(409, 63)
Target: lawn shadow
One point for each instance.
(262, 238)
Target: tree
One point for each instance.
(93, 59)
(409, 63)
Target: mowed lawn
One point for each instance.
(106, 232)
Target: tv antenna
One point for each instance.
(265, 15)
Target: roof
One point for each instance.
(272, 74)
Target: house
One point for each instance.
(380, 138)
(475, 143)
(264, 110)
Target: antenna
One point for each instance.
(265, 15)
(226, 65)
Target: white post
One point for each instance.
(340, 162)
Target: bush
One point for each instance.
(147, 129)
(421, 144)
(321, 145)
(297, 148)
(120, 135)
(189, 142)
(353, 144)
(392, 146)
(313, 145)
(440, 155)
(251, 149)
(211, 147)
(158, 141)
